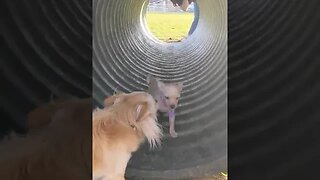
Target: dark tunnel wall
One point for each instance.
(46, 52)
(273, 89)
(125, 52)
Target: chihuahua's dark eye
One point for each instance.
(178, 98)
(167, 97)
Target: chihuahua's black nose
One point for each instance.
(173, 106)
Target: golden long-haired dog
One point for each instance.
(58, 145)
(120, 129)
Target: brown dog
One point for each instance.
(57, 147)
(120, 129)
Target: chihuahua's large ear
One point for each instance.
(141, 110)
(149, 78)
(153, 80)
(161, 85)
(180, 86)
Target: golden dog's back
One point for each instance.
(112, 144)
(120, 129)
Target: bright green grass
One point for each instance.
(169, 26)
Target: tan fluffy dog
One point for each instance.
(108, 102)
(119, 130)
(59, 147)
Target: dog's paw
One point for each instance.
(173, 134)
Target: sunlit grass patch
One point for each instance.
(169, 26)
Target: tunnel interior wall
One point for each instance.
(124, 52)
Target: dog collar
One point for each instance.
(171, 114)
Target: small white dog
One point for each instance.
(167, 96)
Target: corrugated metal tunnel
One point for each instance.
(124, 52)
(273, 87)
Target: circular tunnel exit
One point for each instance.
(168, 22)
(125, 53)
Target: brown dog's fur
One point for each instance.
(41, 116)
(119, 130)
(59, 147)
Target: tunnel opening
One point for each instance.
(169, 23)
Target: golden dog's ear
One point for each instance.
(141, 110)
(109, 101)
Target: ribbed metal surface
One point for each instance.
(124, 53)
(46, 50)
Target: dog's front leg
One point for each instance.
(171, 115)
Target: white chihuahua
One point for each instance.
(167, 96)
